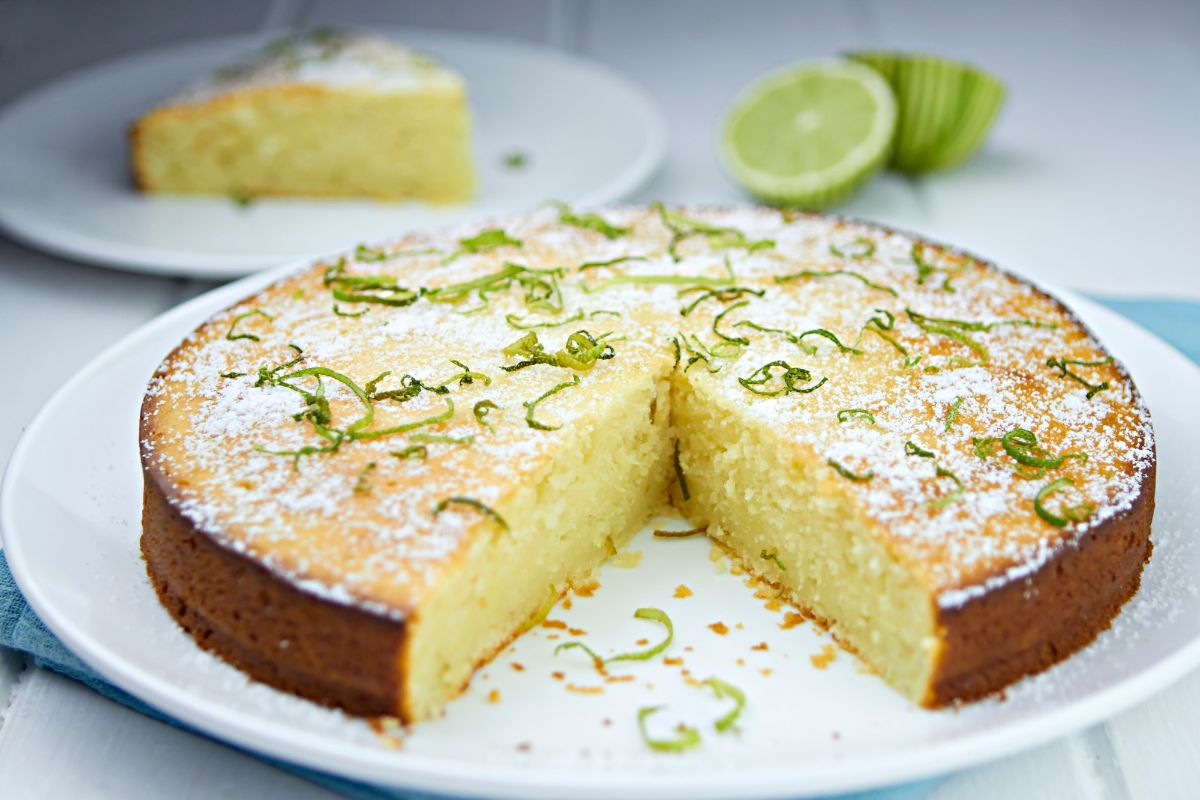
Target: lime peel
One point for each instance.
(809, 135)
(946, 107)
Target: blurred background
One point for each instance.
(1090, 179)
(1095, 142)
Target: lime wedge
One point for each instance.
(946, 108)
(809, 135)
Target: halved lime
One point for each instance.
(946, 107)
(808, 135)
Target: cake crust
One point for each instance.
(1028, 625)
(239, 610)
(997, 631)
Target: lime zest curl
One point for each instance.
(847, 414)
(530, 406)
(830, 273)
(590, 222)
(653, 614)
(686, 738)
(857, 248)
(481, 507)
(850, 475)
(723, 690)
(789, 378)
(1063, 364)
(1068, 514)
(950, 496)
(254, 312)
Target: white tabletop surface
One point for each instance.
(1091, 179)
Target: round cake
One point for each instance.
(364, 480)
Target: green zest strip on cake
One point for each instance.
(590, 222)
(482, 508)
(441, 438)
(542, 292)
(530, 406)
(380, 289)
(848, 475)
(913, 449)
(931, 258)
(951, 329)
(1021, 445)
(1068, 514)
(789, 378)
(657, 280)
(877, 326)
(847, 414)
(857, 248)
(720, 295)
(1063, 364)
(363, 484)
(524, 325)
(952, 414)
(1032, 462)
(482, 242)
(798, 339)
(257, 312)
(956, 328)
(609, 263)
(679, 476)
(818, 273)
(317, 411)
(952, 495)
(719, 237)
(772, 555)
(580, 352)
(734, 340)
(481, 410)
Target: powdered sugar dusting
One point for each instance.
(965, 520)
(330, 59)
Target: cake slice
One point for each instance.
(326, 114)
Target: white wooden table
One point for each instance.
(1091, 180)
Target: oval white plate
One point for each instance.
(69, 507)
(591, 138)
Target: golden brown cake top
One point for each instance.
(972, 419)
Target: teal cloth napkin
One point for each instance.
(1178, 322)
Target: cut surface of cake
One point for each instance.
(324, 114)
(364, 480)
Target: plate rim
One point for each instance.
(35, 232)
(261, 736)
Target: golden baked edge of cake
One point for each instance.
(992, 639)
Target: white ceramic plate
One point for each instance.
(591, 138)
(70, 505)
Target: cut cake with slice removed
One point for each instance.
(402, 453)
(326, 114)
